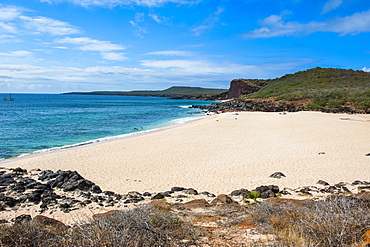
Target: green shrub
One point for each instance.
(313, 107)
(364, 105)
(253, 195)
(319, 100)
(334, 103)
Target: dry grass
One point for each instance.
(137, 227)
(335, 221)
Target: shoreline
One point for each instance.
(168, 125)
(223, 152)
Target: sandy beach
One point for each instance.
(223, 152)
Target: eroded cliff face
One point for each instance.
(241, 87)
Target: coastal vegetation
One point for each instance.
(337, 220)
(140, 226)
(319, 89)
(334, 221)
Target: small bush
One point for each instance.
(253, 195)
(334, 104)
(335, 221)
(313, 107)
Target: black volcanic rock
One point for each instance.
(322, 182)
(242, 192)
(158, 196)
(277, 175)
(249, 105)
(23, 218)
(71, 180)
(174, 189)
(6, 180)
(267, 191)
(8, 201)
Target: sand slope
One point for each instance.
(224, 152)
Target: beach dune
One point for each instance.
(223, 152)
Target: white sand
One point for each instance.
(220, 154)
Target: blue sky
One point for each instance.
(87, 45)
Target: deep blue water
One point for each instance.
(34, 122)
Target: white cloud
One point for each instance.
(331, 5)
(88, 44)
(113, 3)
(16, 54)
(47, 25)
(158, 19)
(61, 47)
(106, 48)
(113, 56)
(9, 13)
(366, 69)
(12, 20)
(139, 31)
(172, 53)
(209, 23)
(7, 27)
(187, 68)
(274, 26)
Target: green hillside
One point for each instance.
(320, 88)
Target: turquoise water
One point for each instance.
(34, 122)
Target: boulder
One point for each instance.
(34, 197)
(134, 200)
(190, 191)
(19, 171)
(223, 199)
(158, 196)
(134, 194)
(71, 180)
(206, 193)
(147, 194)
(322, 182)
(358, 182)
(6, 181)
(197, 203)
(8, 201)
(267, 191)
(175, 189)
(96, 189)
(242, 192)
(47, 175)
(167, 193)
(23, 218)
(17, 187)
(111, 193)
(46, 221)
(277, 175)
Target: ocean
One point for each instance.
(42, 122)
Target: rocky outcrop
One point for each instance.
(249, 105)
(242, 87)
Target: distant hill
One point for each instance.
(172, 92)
(319, 88)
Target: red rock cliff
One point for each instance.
(241, 87)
